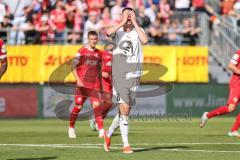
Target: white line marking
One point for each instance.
(136, 144)
(114, 146)
(63, 146)
(208, 151)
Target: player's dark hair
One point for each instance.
(92, 33)
(128, 8)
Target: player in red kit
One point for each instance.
(106, 83)
(233, 100)
(3, 58)
(107, 78)
(86, 69)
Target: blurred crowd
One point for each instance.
(68, 21)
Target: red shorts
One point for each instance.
(234, 96)
(81, 94)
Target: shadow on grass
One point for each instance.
(114, 135)
(161, 148)
(41, 158)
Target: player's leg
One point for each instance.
(232, 105)
(79, 100)
(124, 127)
(106, 104)
(107, 136)
(114, 125)
(234, 131)
(217, 112)
(98, 117)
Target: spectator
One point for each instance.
(107, 23)
(81, 6)
(95, 6)
(174, 33)
(182, 5)
(151, 12)
(36, 6)
(45, 30)
(164, 11)
(202, 6)
(189, 32)
(59, 18)
(17, 36)
(91, 24)
(143, 20)
(172, 4)
(46, 5)
(73, 37)
(155, 33)
(227, 7)
(109, 3)
(4, 26)
(70, 12)
(116, 11)
(29, 31)
(3, 11)
(135, 4)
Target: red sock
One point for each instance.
(73, 116)
(217, 112)
(236, 124)
(98, 117)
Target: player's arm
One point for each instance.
(141, 34)
(233, 64)
(3, 67)
(112, 31)
(75, 64)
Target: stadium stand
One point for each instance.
(67, 21)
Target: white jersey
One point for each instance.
(129, 45)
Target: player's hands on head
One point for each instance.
(105, 74)
(133, 17)
(125, 17)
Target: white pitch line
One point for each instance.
(98, 147)
(187, 143)
(90, 146)
(191, 150)
(63, 146)
(136, 144)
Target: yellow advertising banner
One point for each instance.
(192, 64)
(160, 64)
(36, 64)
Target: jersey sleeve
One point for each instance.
(235, 58)
(79, 53)
(3, 52)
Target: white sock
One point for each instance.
(124, 129)
(114, 126)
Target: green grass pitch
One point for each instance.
(152, 140)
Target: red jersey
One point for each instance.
(235, 80)
(89, 67)
(94, 9)
(107, 67)
(198, 3)
(59, 14)
(3, 51)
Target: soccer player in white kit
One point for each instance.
(126, 71)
